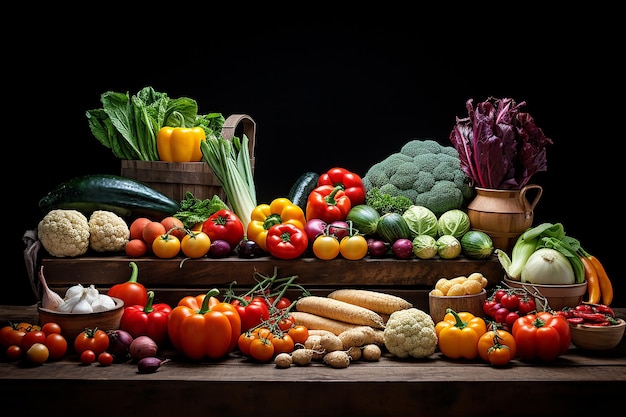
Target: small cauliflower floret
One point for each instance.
(108, 232)
(64, 233)
(410, 332)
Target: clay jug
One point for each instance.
(503, 214)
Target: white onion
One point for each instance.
(548, 266)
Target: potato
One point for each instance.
(371, 352)
(337, 359)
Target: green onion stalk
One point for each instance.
(230, 162)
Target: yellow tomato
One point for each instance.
(326, 247)
(353, 247)
(166, 246)
(196, 244)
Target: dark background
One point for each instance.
(327, 94)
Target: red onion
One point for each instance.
(402, 248)
(119, 343)
(314, 228)
(220, 249)
(142, 347)
(376, 248)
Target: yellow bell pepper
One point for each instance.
(458, 334)
(281, 210)
(180, 144)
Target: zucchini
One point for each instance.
(299, 193)
(124, 196)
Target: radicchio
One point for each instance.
(499, 146)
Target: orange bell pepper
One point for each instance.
(203, 327)
(458, 334)
(280, 211)
(180, 144)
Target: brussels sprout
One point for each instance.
(448, 247)
(453, 222)
(424, 246)
(421, 221)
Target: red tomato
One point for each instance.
(96, 340)
(261, 349)
(510, 300)
(510, 319)
(11, 335)
(527, 305)
(14, 352)
(31, 338)
(224, 225)
(299, 333)
(87, 357)
(105, 359)
(57, 345)
(489, 306)
(51, 327)
(500, 315)
(286, 323)
(497, 296)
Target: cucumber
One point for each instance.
(126, 197)
(299, 193)
(392, 226)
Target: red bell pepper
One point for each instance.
(542, 336)
(351, 182)
(203, 327)
(252, 312)
(286, 241)
(149, 320)
(328, 203)
(131, 292)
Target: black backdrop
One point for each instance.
(333, 96)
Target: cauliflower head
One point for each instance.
(410, 332)
(108, 232)
(64, 233)
(426, 172)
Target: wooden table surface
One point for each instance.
(574, 383)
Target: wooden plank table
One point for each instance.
(575, 383)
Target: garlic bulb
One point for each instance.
(50, 299)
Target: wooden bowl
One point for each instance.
(597, 337)
(470, 303)
(74, 323)
(558, 296)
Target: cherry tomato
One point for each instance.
(500, 315)
(499, 355)
(493, 337)
(261, 349)
(95, 339)
(497, 296)
(196, 244)
(166, 246)
(32, 337)
(286, 323)
(87, 357)
(488, 306)
(510, 319)
(353, 247)
(105, 359)
(299, 333)
(37, 353)
(57, 345)
(527, 305)
(326, 247)
(510, 300)
(243, 343)
(283, 344)
(51, 327)
(14, 352)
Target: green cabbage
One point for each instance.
(421, 221)
(448, 247)
(424, 246)
(453, 222)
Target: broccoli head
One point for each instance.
(426, 172)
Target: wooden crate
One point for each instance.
(171, 280)
(175, 179)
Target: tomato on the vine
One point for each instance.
(527, 305)
(299, 333)
(353, 247)
(510, 300)
(243, 343)
(326, 247)
(195, 244)
(286, 323)
(510, 318)
(493, 337)
(499, 355)
(95, 339)
(261, 349)
(498, 294)
(283, 343)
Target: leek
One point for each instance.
(230, 162)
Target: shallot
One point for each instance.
(50, 299)
(142, 347)
(149, 364)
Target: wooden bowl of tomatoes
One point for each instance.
(72, 324)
